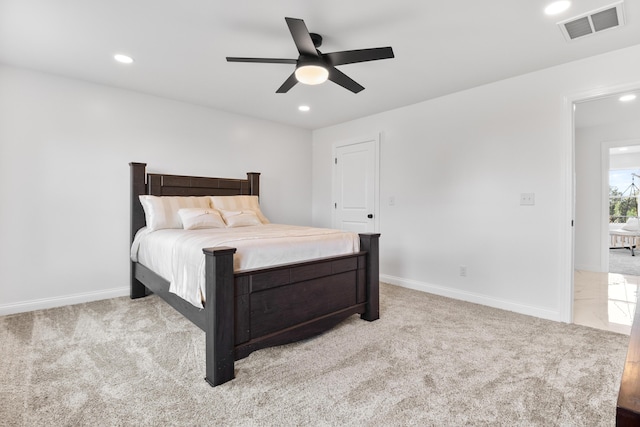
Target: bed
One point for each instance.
(262, 307)
(624, 235)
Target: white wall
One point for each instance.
(65, 146)
(627, 160)
(457, 165)
(590, 237)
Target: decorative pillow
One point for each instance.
(239, 203)
(240, 218)
(195, 218)
(162, 211)
(632, 225)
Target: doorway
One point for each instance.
(601, 123)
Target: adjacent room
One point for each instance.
(476, 139)
(607, 165)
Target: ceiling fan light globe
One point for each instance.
(312, 74)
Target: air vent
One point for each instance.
(605, 18)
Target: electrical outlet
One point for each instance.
(463, 271)
(392, 200)
(527, 199)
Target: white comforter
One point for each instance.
(176, 254)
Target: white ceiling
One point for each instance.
(607, 111)
(180, 48)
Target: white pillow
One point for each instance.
(240, 218)
(239, 203)
(632, 225)
(162, 211)
(196, 218)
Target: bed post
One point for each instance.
(219, 315)
(370, 242)
(254, 183)
(138, 187)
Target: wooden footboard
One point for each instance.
(628, 407)
(283, 304)
(259, 308)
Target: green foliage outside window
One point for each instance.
(622, 206)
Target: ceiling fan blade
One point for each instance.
(288, 84)
(262, 60)
(301, 37)
(343, 80)
(360, 55)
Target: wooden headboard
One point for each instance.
(180, 185)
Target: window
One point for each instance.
(623, 194)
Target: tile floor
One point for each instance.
(605, 300)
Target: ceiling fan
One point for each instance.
(314, 67)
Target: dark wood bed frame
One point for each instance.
(628, 407)
(260, 308)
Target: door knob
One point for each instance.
(370, 216)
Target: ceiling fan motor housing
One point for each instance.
(304, 61)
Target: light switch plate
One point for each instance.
(527, 199)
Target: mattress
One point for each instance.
(176, 254)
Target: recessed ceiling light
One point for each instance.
(124, 59)
(304, 108)
(557, 7)
(627, 98)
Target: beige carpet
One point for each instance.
(428, 361)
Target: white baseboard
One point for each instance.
(45, 303)
(596, 268)
(474, 298)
